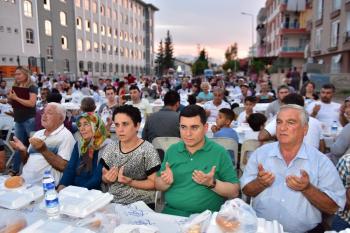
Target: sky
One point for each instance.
(209, 24)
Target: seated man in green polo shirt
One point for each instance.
(197, 174)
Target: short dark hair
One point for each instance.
(256, 120)
(250, 99)
(54, 97)
(87, 104)
(329, 86)
(131, 111)
(110, 87)
(293, 98)
(193, 111)
(191, 99)
(228, 113)
(134, 87)
(171, 98)
(283, 87)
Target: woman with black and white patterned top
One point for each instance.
(130, 163)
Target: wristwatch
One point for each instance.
(213, 185)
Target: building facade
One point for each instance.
(19, 36)
(286, 29)
(330, 38)
(57, 37)
(106, 38)
(114, 37)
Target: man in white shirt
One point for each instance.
(212, 107)
(249, 104)
(325, 110)
(142, 104)
(314, 134)
(50, 148)
(274, 106)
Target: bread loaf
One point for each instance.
(229, 226)
(14, 182)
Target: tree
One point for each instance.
(201, 63)
(160, 59)
(168, 52)
(231, 58)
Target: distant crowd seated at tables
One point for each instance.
(191, 178)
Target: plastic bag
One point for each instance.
(235, 216)
(13, 223)
(107, 222)
(197, 223)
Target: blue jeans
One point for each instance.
(22, 132)
(339, 224)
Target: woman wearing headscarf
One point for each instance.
(84, 168)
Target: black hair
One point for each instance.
(256, 120)
(193, 111)
(228, 113)
(283, 87)
(54, 90)
(131, 111)
(87, 104)
(250, 99)
(293, 98)
(134, 87)
(328, 86)
(191, 99)
(110, 87)
(54, 97)
(171, 98)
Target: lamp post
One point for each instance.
(252, 18)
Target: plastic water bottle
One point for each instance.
(334, 128)
(51, 196)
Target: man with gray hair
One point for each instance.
(49, 149)
(212, 107)
(292, 182)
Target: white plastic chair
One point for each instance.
(163, 143)
(247, 146)
(230, 145)
(7, 123)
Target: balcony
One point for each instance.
(284, 5)
(292, 52)
(292, 28)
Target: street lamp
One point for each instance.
(252, 16)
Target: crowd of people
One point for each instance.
(295, 179)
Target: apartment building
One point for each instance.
(56, 22)
(261, 33)
(286, 30)
(19, 36)
(114, 37)
(330, 38)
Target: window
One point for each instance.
(102, 9)
(78, 3)
(89, 66)
(97, 67)
(109, 31)
(110, 67)
(64, 42)
(318, 37)
(94, 27)
(63, 18)
(88, 45)
(79, 23)
(103, 30)
(87, 25)
(48, 29)
(27, 8)
(116, 50)
(116, 33)
(94, 7)
(49, 52)
(109, 49)
(104, 67)
(47, 5)
(334, 34)
(96, 47)
(29, 36)
(87, 5)
(80, 45)
(319, 9)
(66, 65)
(81, 66)
(336, 64)
(103, 47)
(336, 4)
